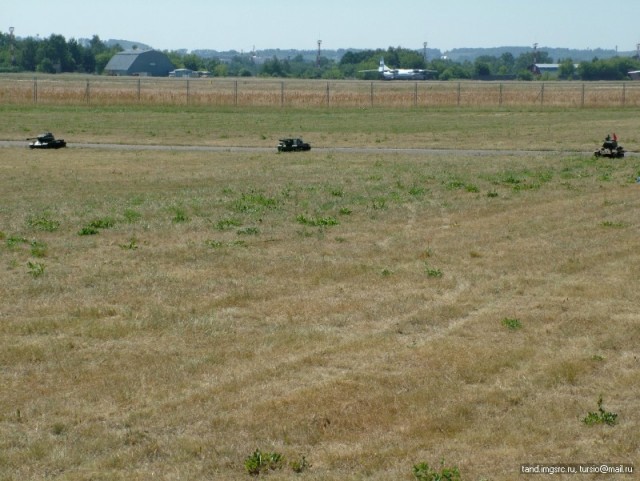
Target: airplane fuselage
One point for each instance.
(387, 73)
(404, 74)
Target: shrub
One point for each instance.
(253, 201)
(317, 221)
(180, 215)
(88, 230)
(433, 272)
(93, 227)
(424, 472)
(131, 245)
(259, 462)
(43, 222)
(36, 269)
(13, 241)
(512, 323)
(131, 215)
(38, 248)
(600, 417)
(224, 224)
(300, 465)
(417, 191)
(104, 223)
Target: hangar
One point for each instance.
(143, 63)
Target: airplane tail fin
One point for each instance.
(382, 67)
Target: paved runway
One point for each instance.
(358, 150)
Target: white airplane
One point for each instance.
(401, 73)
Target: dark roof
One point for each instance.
(134, 62)
(123, 60)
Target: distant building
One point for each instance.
(143, 63)
(183, 72)
(551, 68)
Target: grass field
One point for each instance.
(163, 315)
(101, 91)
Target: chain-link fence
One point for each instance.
(314, 93)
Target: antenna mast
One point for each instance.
(11, 42)
(318, 57)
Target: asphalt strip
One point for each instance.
(358, 150)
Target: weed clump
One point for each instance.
(424, 472)
(317, 221)
(512, 323)
(43, 222)
(36, 269)
(93, 227)
(259, 462)
(600, 417)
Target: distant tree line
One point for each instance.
(55, 54)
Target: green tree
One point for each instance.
(567, 69)
(56, 50)
(46, 66)
(220, 70)
(28, 54)
(507, 63)
(482, 69)
(616, 68)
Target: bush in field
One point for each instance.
(317, 221)
(259, 462)
(43, 222)
(600, 417)
(512, 323)
(93, 227)
(36, 269)
(424, 472)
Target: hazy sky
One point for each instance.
(296, 24)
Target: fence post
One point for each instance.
(35, 90)
(187, 91)
(624, 93)
(327, 94)
(371, 95)
(542, 95)
(281, 94)
(235, 93)
(500, 100)
(582, 100)
(87, 93)
(138, 89)
(458, 94)
(415, 94)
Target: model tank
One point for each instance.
(46, 141)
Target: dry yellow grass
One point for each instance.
(265, 92)
(215, 316)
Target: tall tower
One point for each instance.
(11, 42)
(318, 56)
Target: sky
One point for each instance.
(243, 25)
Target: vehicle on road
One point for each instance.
(610, 148)
(46, 141)
(293, 145)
